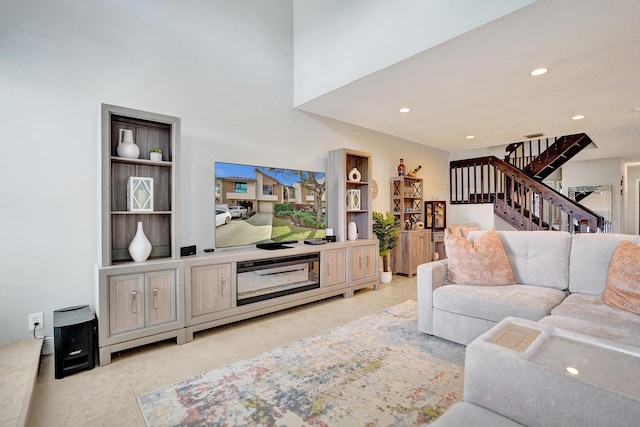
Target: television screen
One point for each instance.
(256, 204)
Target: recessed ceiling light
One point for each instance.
(405, 110)
(470, 136)
(636, 110)
(578, 117)
(539, 71)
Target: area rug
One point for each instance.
(376, 371)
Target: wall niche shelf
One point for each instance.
(119, 225)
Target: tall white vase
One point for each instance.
(352, 231)
(140, 246)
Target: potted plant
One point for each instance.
(155, 154)
(387, 229)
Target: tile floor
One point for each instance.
(106, 396)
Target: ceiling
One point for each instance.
(479, 84)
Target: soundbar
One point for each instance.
(270, 246)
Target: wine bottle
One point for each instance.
(415, 171)
(401, 168)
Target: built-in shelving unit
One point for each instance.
(343, 182)
(165, 297)
(119, 224)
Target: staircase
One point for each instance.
(518, 198)
(541, 158)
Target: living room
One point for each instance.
(227, 69)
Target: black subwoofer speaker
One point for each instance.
(75, 339)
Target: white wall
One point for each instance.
(598, 172)
(224, 67)
(338, 41)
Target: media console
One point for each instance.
(141, 303)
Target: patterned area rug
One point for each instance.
(377, 371)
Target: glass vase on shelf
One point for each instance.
(402, 170)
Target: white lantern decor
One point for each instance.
(353, 200)
(140, 194)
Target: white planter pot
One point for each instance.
(155, 157)
(386, 276)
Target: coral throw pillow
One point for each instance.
(623, 281)
(482, 262)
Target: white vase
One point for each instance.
(354, 175)
(140, 246)
(126, 147)
(386, 276)
(352, 231)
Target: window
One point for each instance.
(240, 187)
(267, 190)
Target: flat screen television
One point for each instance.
(258, 204)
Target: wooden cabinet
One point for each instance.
(413, 249)
(118, 218)
(364, 266)
(349, 192)
(334, 264)
(407, 201)
(138, 304)
(210, 289)
(436, 214)
(140, 300)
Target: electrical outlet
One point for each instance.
(36, 318)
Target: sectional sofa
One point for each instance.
(559, 279)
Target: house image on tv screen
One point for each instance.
(291, 203)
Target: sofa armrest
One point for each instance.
(430, 276)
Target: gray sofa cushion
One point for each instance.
(591, 308)
(497, 302)
(539, 258)
(591, 256)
